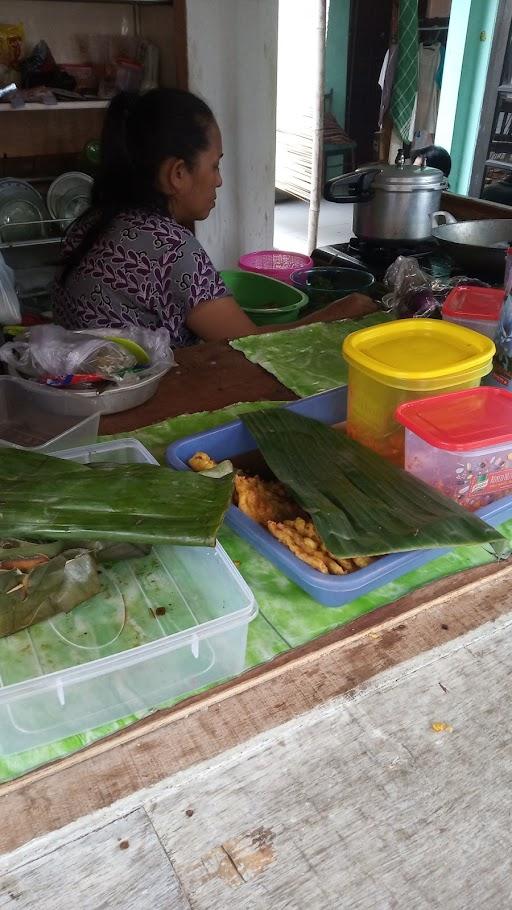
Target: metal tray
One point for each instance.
(233, 439)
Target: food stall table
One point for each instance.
(336, 664)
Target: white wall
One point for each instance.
(232, 54)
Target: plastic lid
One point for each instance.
(467, 302)
(415, 351)
(471, 419)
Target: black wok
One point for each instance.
(479, 247)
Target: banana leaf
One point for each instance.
(46, 498)
(55, 586)
(12, 550)
(360, 504)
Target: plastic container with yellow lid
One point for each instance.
(402, 361)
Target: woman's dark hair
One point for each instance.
(436, 156)
(139, 133)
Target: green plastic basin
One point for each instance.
(265, 300)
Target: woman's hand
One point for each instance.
(350, 307)
(223, 319)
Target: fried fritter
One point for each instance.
(302, 538)
(263, 500)
(267, 502)
(201, 462)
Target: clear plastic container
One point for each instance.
(33, 417)
(402, 361)
(475, 308)
(128, 76)
(461, 444)
(162, 626)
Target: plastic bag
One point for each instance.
(157, 342)
(10, 312)
(51, 351)
(40, 69)
(411, 295)
(414, 293)
(11, 43)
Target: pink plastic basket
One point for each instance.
(277, 264)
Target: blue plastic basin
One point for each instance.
(233, 439)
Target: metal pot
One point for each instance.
(392, 203)
(479, 247)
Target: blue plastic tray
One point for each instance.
(233, 439)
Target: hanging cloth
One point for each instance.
(428, 92)
(406, 78)
(440, 68)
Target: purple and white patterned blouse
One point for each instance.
(145, 270)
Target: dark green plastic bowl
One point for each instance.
(265, 300)
(323, 285)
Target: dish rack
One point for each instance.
(41, 254)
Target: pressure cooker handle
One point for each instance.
(359, 185)
(439, 218)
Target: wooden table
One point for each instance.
(214, 375)
(207, 377)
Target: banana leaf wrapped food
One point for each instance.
(60, 519)
(360, 504)
(35, 587)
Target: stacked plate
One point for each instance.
(22, 211)
(69, 197)
(25, 216)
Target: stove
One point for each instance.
(376, 258)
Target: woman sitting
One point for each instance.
(131, 259)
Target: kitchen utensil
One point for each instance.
(112, 400)
(22, 211)
(401, 361)
(150, 63)
(264, 299)
(325, 285)
(162, 625)
(69, 193)
(477, 246)
(32, 416)
(474, 307)
(71, 205)
(392, 203)
(278, 264)
(129, 76)
(19, 220)
(461, 444)
(10, 311)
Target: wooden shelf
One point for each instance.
(60, 106)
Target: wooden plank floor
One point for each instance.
(359, 804)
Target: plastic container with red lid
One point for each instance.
(461, 443)
(474, 307)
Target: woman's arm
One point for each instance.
(223, 319)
